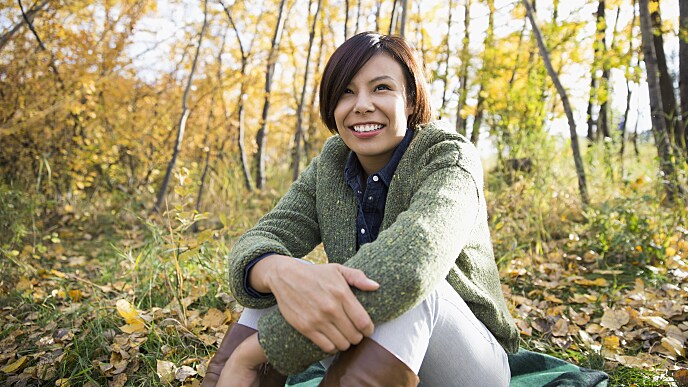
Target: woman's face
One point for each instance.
(372, 113)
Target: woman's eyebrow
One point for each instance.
(382, 78)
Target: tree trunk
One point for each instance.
(625, 128)
(262, 134)
(659, 129)
(296, 155)
(359, 9)
(683, 69)
(603, 116)
(404, 16)
(485, 73)
(580, 169)
(378, 10)
(393, 17)
(241, 103)
(184, 116)
(447, 53)
(346, 19)
(666, 85)
(313, 115)
(463, 72)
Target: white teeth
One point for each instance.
(367, 128)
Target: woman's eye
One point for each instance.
(382, 87)
(348, 91)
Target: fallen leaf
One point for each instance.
(133, 328)
(561, 328)
(615, 319)
(586, 282)
(128, 312)
(184, 372)
(214, 318)
(674, 345)
(118, 381)
(15, 366)
(23, 284)
(166, 371)
(76, 295)
(655, 321)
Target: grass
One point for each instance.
(175, 277)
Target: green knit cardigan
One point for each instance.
(426, 237)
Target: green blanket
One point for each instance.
(528, 369)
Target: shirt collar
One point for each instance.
(353, 168)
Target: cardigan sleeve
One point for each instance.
(290, 228)
(408, 259)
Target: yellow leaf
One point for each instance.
(611, 342)
(128, 312)
(24, 284)
(670, 251)
(14, 367)
(133, 327)
(76, 295)
(64, 382)
(586, 282)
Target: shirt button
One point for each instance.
(375, 178)
(363, 231)
(370, 198)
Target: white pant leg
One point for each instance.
(445, 344)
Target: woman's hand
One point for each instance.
(317, 299)
(241, 369)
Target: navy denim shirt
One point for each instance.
(371, 200)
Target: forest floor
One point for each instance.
(120, 297)
(91, 313)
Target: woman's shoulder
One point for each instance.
(438, 142)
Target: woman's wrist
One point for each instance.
(262, 272)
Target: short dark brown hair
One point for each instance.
(353, 54)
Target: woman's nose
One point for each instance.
(364, 104)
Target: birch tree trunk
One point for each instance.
(659, 129)
(245, 53)
(485, 73)
(181, 126)
(296, 159)
(404, 16)
(447, 53)
(683, 68)
(463, 72)
(262, 134)
(580, 169)
(603, 116)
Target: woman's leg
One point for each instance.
(240, 331)
(439, 339)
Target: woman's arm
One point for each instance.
(289, 229)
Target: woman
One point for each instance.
(411, 294)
